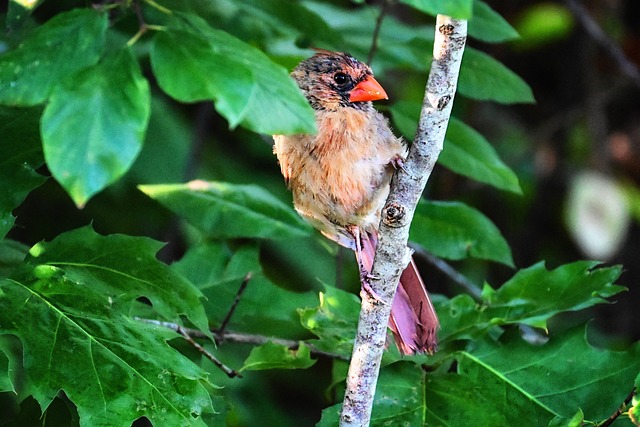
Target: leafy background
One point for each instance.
(125, 124)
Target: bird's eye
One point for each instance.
(340, 78)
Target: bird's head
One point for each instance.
(333, 80)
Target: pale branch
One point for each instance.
(392, 253)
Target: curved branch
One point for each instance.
(392, 253)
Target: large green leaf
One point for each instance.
(224, 210)
(247, 87)
(122, 266)
(264, 308)
(94, 125)
(9, 358)
(12, 253)
(454, 230)
(21, 156)
(484, 78)
(488, 26)
(465, 152)
(534, 294)
(468, 153)
(560, 377)
(70, 307)
(459, 9)
(530, 297)
(67, 43)
(295, 19)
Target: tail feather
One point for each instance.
(418, 335)
(413, 321)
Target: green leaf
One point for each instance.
(8, 360)
(295, 19)
(334, 321)
(70, 306)
(468, 153)
(576, 421)
(278, 356)
(12, 253)
(65, 44)
(122, 266)
(530, 297)
(487, 25)
(94, 125)
(455, 231)
(18, 12)
(534, 294)
(402, 45)
(482, 400)
(459, 9)
(223, 210)
(560, 377)
(247, 87)
(465, 152)
(517, 383)
(21, 156)
(484, 78)
(544, 23)
(264, 308)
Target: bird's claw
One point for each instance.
(367, 289)
(398, 162)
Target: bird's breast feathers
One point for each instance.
(340, 174)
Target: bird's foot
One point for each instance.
(367, 289)
(398, 162)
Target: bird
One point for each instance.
(340, 179)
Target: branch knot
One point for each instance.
(446, 29)
(393, 214)
(443, 102)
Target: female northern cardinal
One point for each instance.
(340, 179)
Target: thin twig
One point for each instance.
(230, 372)
(158, 7)
(240, 338)
(188, 335)
(392, 254)
(596, 33)
(236, 300)
(451, 273)
(376, 30)
(619, 411)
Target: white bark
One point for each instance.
(392, 254)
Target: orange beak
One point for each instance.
(367, 90)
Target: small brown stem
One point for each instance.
(241, 290)
(376, 30)
(618, 411)
(240, 338)
(185, 333)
